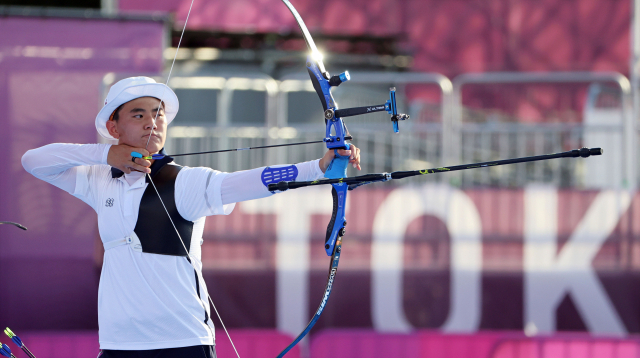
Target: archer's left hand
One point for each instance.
(353, 153)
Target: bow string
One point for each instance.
(191, 262)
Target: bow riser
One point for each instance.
(337, 169)
(320, 84)
(338, 222)
(336, 131)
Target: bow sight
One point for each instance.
(322, 83)
(389, 106)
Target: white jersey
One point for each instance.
(148, 301)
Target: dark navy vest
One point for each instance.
(154, 229)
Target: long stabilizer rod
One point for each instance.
(372, 178)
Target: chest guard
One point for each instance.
(156, 234)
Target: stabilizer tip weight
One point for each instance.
(583, 152)
(586, 152)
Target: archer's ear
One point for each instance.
(112, 128)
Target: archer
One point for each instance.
(152, 300)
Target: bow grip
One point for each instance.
(337, 169)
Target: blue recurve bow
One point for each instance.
(336, 136)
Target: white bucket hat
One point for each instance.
(129, 89)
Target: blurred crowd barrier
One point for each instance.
(475, 118)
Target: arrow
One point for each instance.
(160, 156)
(5, 351)
(18, 342)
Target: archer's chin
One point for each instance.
(155, 146)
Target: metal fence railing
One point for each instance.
(297, 116)
(599, 124)
(235, 112)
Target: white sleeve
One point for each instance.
(247, 184)
(203, 191)
(197, 193)
(66, 166)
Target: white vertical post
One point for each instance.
(223, 118)
(633, 74)
(550, 274)
(460, 214)
(109, 7)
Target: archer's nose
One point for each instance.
(149, 124)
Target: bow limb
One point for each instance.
(316, 55)
(336, 135)
(14, 224)
(333, 241)
(335, 258)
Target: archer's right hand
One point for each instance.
(120, 157)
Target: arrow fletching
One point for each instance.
(5, 351)
(13, 337)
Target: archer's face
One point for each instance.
(135, 122)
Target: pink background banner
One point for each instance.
(84, 344)
(426, 344)
(51, 72)
(368, 344)
(53, 279)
